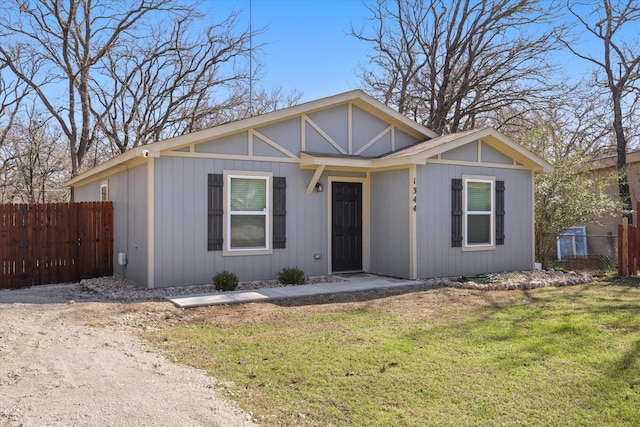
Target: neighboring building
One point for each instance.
(598, 239)
(343, 183)
(606, 166)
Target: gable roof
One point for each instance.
(420, 152)
(356, 97)
(435, 146)
(432, 145)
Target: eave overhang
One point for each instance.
(131, 158)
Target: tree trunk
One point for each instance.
(621, 166)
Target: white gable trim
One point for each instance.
(230, 157)
(496, 140)
(322, 133)
(374, 140)
(356, 97)
(253, 132)
(484, 164)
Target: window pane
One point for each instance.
(478, 196)
(248, 194)
(248, 231)
(567, 245)
(478, 229)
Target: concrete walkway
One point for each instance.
(352, 283)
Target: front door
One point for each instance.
(346, 226)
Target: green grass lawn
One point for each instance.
(567, 356)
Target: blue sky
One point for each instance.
(306, 46)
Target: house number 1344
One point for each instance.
(415, 196)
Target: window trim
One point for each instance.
(574, 236)
(465, 213)
(104, 185)
(227, 250)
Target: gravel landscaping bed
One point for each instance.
(116, 288)
(522, 280)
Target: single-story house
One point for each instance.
(339, 184)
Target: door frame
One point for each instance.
(365, 218)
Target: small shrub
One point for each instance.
(291, 276)
(225, 281)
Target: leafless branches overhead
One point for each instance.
(132, 71)
(453, 64)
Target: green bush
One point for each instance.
(225, 281)
(291, 276)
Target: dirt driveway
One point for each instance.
(81, 364)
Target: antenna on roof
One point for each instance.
(250, 58)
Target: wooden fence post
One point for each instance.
(633, 231)
(624, 258)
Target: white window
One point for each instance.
(104, 191)
(572, 242)
(478, 221)
(247, 213)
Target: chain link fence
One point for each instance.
(586, 252)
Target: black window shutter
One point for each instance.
(215, 211)
(456, 213)
(279, 212)
(499, 212)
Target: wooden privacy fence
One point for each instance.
(55, 242)
(628, 247)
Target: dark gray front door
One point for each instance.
(346, 226)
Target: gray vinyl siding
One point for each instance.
(128, 192)
(87, 193)
(286, 134)
(316, 143)
(390, 223)
(403, 139)
(466, 153)
(365, 128)
(180, 226)
(437, 258)
(129, 198)
(262, 148)
(334, 122)
(491, 155)
(231, 144)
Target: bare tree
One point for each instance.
(12, 93)
(262, 101)
(163, 89)
(562, 127)
(451, 64)
(34, 161)
(617, 69)
(77, 45)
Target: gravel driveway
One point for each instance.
(67, 358)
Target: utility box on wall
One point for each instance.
(122, 258)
